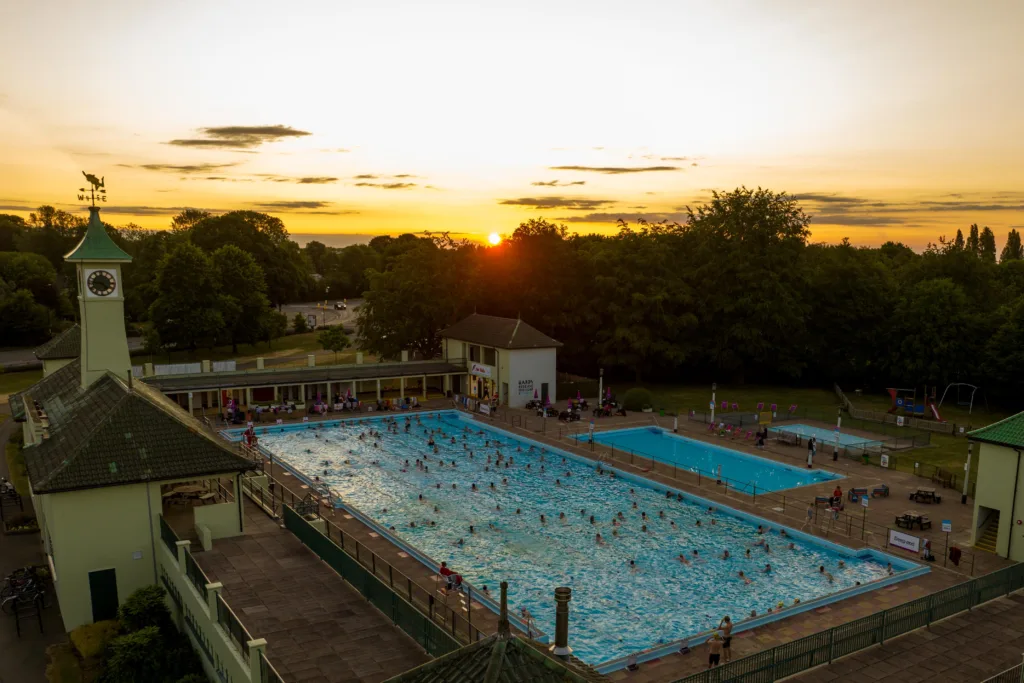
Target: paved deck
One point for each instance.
(318, 628)
(966, 648)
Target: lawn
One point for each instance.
(13, 382)
(285, 346)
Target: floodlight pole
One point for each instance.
(714, 385)
(967, 473)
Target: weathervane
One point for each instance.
(97, 184)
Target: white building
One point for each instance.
(504, 357)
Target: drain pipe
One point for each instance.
(561, 647)
(1013, 506)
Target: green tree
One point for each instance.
(333, 339)
(242, 301)
(1012, 250)
(51, 233)
(137, 656)
(31, 272)
(11, 229)
(973, 241)
(186, 314)
(143, 608)
(1004, 353)
(23, 322)
(273, 325)
(299, 324)
(987, 245)
(188, 219)
(931, 326)
(958, 241)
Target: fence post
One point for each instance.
(391, 576)
(831, 640)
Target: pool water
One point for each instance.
(743, 471)
(825, 437)
(615, 610)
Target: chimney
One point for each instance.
(503, 628)
(561, 647)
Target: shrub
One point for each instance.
(182, 660)
(137, 656)
(62, 665)
(637, 398)
(92, 639)
(143, 608)
(193, 678)
(299, 324)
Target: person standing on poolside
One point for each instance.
(725, 626)
(715, 650)
(810, 516)
(810, 452)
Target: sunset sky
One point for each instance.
(891, 120)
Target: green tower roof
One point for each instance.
(1008, 432)
(96, 245)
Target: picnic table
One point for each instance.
(187, 489)
(925, 494)
(911, 517)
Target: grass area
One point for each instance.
(285, 346)
(16, 466)
(13, 382)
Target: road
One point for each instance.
(23, 359)
(328, 316)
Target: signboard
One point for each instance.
(311, 321)
(280, 421)
(765, 418)
(480, 370)
(885, 460)
(864, 501)
(525, 387)
(485, 409)
(305, 419)
(899, 420)
(904, 541)
(947, 525)
(711, 405)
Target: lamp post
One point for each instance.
(600, 385)
(967, 472)
(714, 386)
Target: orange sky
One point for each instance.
(891, 120)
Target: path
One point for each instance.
(319, 629)
(967, 647)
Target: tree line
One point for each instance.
(736, 293)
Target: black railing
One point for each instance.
(230, 623)
(268, 674)
(168, 536)
(195, 575)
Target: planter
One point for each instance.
(17, 527)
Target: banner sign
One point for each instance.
(480, 370)
(485, 409)
(904, 541)
(525, 387)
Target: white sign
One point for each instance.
(248, 424)
(885, 460)
(280, 421)
(864, 501)
(525, 387)
(904, 541)
(480, 370)
(899, 420)
(947, 525)
(311, 321)
(305, 419)
(485, 409)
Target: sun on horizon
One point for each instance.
(494, 238)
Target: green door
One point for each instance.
(103, 590)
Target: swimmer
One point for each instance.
(842, 564)
(591, 519)
(558, 482)
(767, 569)
(542, 520)
(473, 487)
(632, 566)
(460, 542)
(598, 539)
(644, 528)
(760, 529)
(698, 523)
(492, 485)
(725, 555)
(744, 577)
(561, 515)
(683, 560)
(748, 552)
(888, 569)
(421, 496)
(792, 546)
(634, 505)
(518, 511)
(643, 516)
(661, 514)
(453, 486)
(672, 524)
(504, 480)
(471, 529)
(412, 524)
(498, 506)
(435, 509)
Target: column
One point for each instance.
(212, 591)
(190, 403)
(257, 648)
(248, 396)
(401, 388)
(424, 387)
(378, 389)
(354, 392)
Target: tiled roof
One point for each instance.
(53, 392)
(67, 344)
(96, 244)
(499, 659)
(501, 333)
(112, 434)
(1008, 432)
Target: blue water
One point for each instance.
(826, 437)
(615, 610)
(741, 470)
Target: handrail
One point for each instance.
(268, 674)
(227, 618)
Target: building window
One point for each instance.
(489, 356)
(474, 353)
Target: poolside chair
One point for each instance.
(775, 407)
(735, 406)
(711, 427)
(750, 434)
(792, 409)
(725, 405)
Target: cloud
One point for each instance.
(673, 159)
(653, 217)
(365, 176)
(574, 203)
(187, 168)
(293, 204)
(847, 219)
(405, 175)
(388, 186)
(145, 210)
(337, 150)
(316, 180)
(615, 170)
(557, 183)
(824, 198)
(239, 137)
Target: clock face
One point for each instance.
(101, 283)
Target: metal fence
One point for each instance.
(436, 638)
(824, 647)
(1011, 675)
(230, 623)
(268, 674)
(195, 575)
(170, 538)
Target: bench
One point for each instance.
(925, 496)
(855, 494)
(882, 491)
(823, 500)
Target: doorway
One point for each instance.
(544, 392)
(103, 591)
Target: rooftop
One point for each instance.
(1008, 432)
(67, 344)
(96, 244)
(112, 433)
(501, 333)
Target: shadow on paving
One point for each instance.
(318, 628)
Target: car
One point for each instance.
(340, 306)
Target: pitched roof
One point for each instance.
(502, 333)
(54, 390)
(67, 344)
(96, 244)
(1008, 432)
(501, 658)
(111, 434)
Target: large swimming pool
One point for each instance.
(617, 608)
(742, 471)
(825, 437)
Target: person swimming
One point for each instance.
(683, 560)
(744, 577)
(725, 555)
(542, 520)
(767, 569)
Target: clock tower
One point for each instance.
(98, 262)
